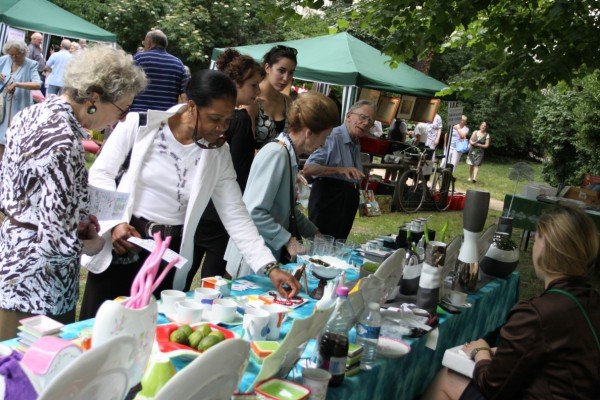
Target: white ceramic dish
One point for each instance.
(208, 317)
(41, 325)
(392, 348)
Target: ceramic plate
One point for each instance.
(172, 349)
(208, 317)
(392, 348)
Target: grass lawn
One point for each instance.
(493, 177)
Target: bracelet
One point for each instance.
(270, 267)
(478, 349)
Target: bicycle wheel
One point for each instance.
(442, 190)
(412, 191)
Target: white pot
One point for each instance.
(114, 319)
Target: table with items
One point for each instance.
(401, 377)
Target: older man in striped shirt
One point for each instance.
(166, 74)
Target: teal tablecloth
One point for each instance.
(403, 378)
(525, 212)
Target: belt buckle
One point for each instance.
(149, 227)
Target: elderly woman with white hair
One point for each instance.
(18, 76)
(44, 187)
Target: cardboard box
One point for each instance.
(582, 194)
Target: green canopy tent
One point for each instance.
(342, 59)
(45, 17)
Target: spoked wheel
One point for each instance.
(412, 191)
(442, 190)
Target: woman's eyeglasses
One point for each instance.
(123, 112)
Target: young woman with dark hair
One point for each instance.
(178, 163)
(271, 108)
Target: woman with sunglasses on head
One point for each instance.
(211, 236)
(270, 194)
(271, 108)
(44, 187)
(178, 163)
(549, 347)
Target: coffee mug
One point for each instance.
(169, 298)
(223, 310)
(457, 298)
(206, 296)
(189, 311)
(277, 314)
(316, 380)
(256, 324)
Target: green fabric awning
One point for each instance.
(342, 59)
(45, 17)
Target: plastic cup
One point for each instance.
(316, 380)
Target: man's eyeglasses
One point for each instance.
(364, 118)
(123, 112)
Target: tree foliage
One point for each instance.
(567, 129)
(535, 42)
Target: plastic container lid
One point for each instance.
(342, 291)
(373, 306)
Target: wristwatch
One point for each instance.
(270, 267)
(478, 349)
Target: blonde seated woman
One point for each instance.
(549, 346)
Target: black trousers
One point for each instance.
(332, 206)
(210, 243)
(117, 279)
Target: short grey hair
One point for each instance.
(65, 44)
(158, 38)
(362, 103)
(20, 45)
(109, 72)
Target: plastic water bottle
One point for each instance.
(367, 334)
(333, 344)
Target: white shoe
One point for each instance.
(470, 180)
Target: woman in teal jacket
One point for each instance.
(18, 77)
(272, 180)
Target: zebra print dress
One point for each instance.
(43, 183)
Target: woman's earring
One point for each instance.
(92, 109)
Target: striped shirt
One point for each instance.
(166, 80)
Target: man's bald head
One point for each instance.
(155, 38)
(36, 38)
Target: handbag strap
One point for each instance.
(293, 228)
(587, 318)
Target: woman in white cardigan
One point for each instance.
(178, 162)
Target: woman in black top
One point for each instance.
(211, 237)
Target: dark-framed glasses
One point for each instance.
(364, 118)
(123, 112)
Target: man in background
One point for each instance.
(56, 64)
(36, 53)
(166, 74)
(337, 169)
